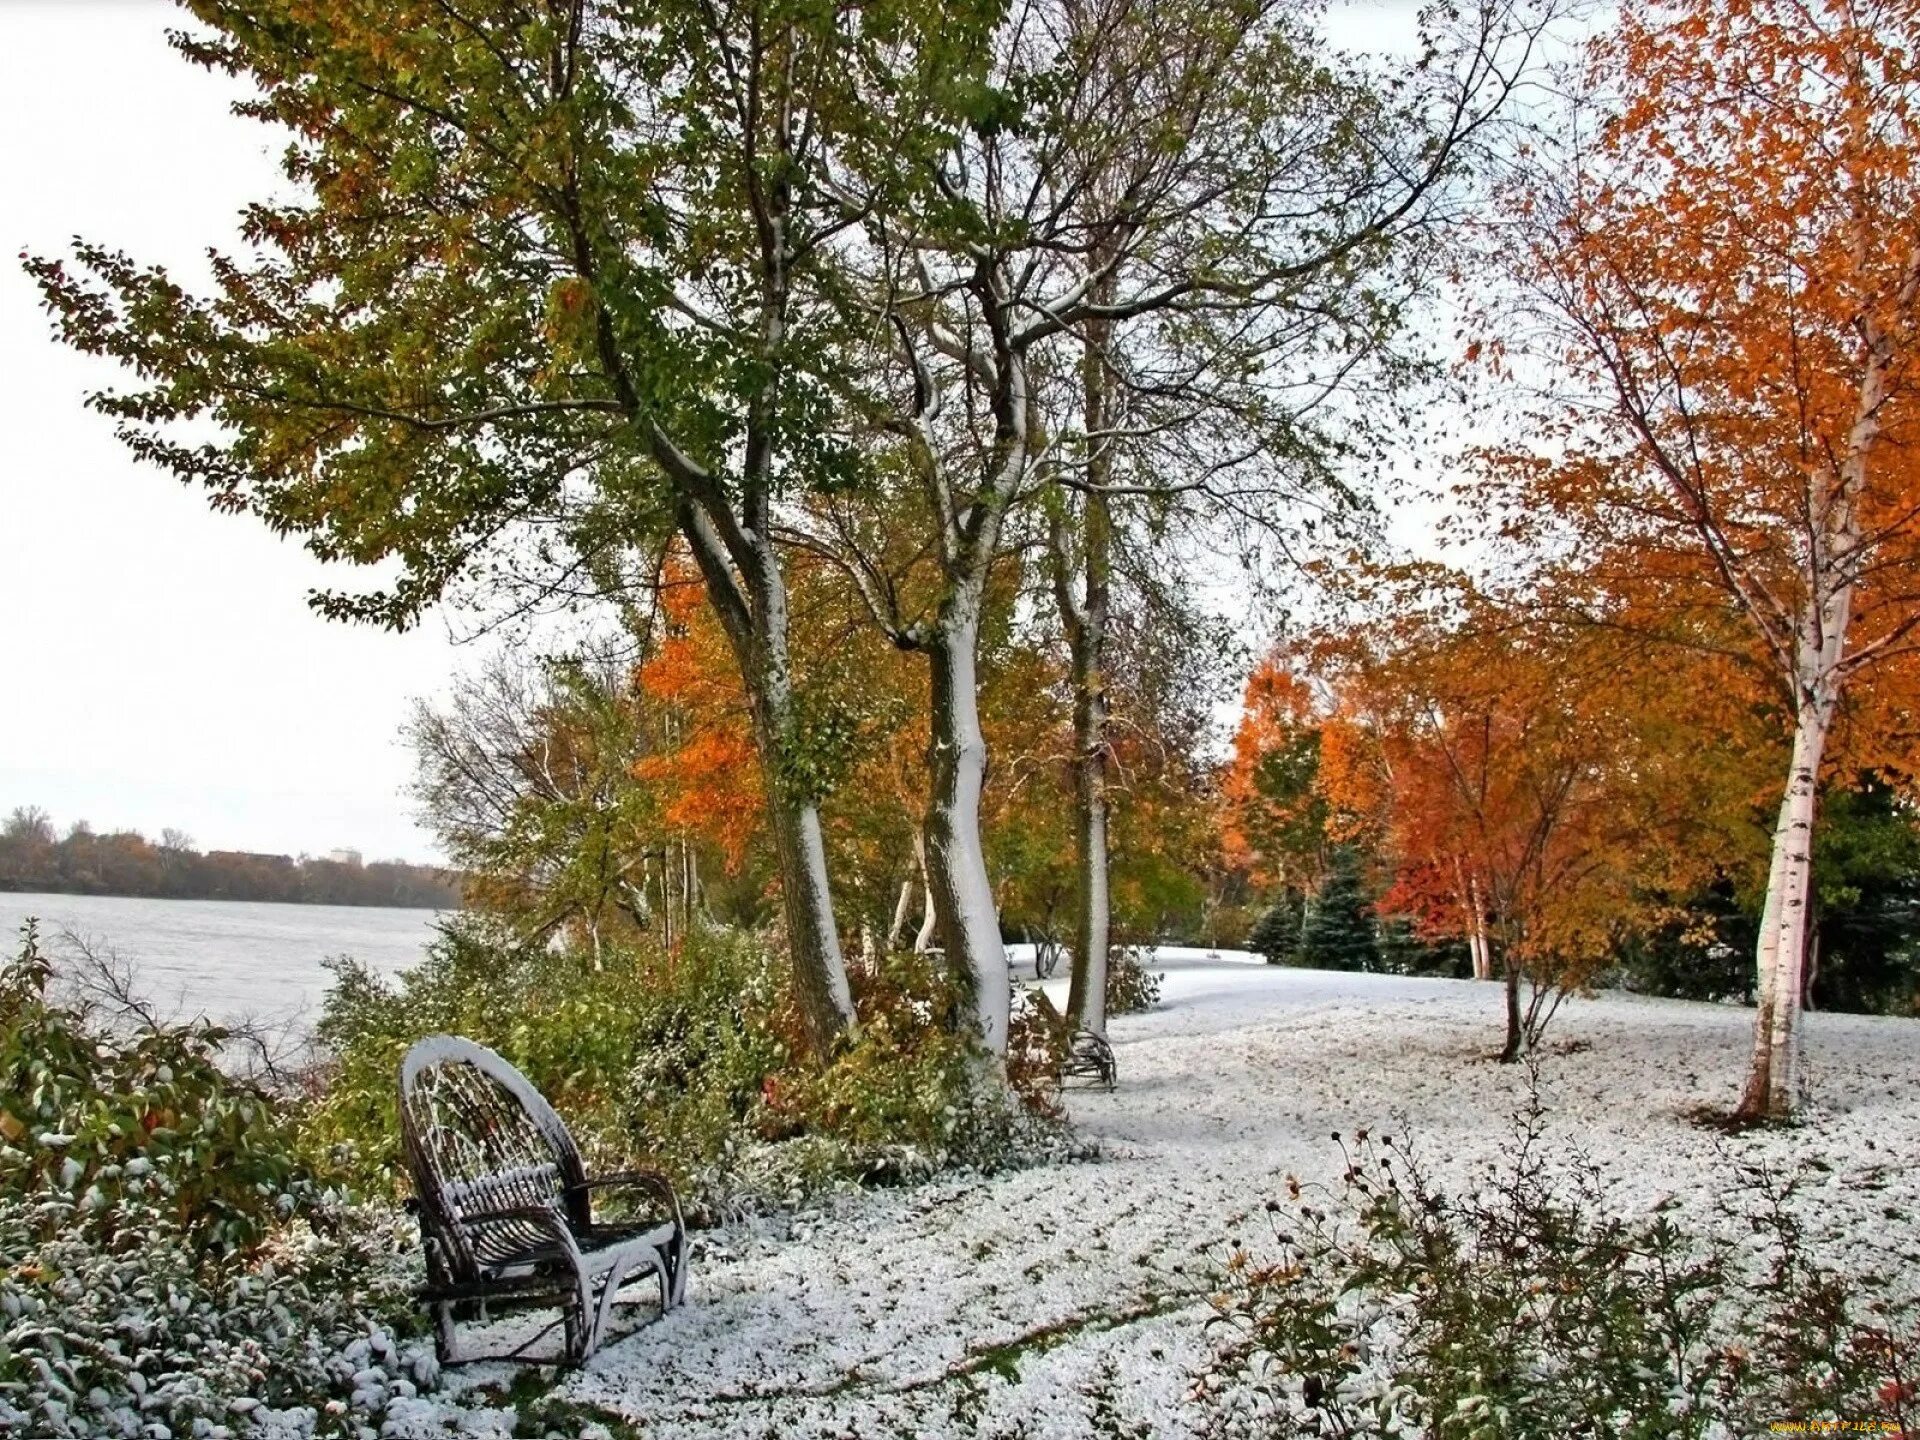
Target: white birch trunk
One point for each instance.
(1784, 947)
(903, 907)
(957, 880)
(1484, 952)
(929, 923)
(1833, 565)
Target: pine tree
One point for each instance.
(1276, 934)
(1339, 931)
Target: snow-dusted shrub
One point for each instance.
(1524, 1309)
(651, 1064)
(140, 1334)
(1038, 1038)
(115, 1118)
(1131, 987)
(909, 1096)
(169, 1269)
(695, 1067)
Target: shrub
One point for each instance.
(167, 1262)
(908, 1096)
(650, 1065)
(1276, 934)
(108, 1336)
(107, 1119)
(1038, 1038)
(692, 1067)
(1131, 987)
(1524, 1310)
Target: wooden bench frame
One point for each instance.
(1089, 1057)
(506, 1206)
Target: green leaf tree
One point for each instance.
(544, 292)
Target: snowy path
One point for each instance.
(1068, 1300)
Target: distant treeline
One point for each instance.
(124, 862)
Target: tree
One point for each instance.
(1220, 410)
(1337, 932)
(550, 288)
(1502, 767)
(1865, 945)
(1275, 812)
(523, 776)
(29, 825)
(1728, 265)
(1017, 250)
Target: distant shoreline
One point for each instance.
(10, 888)
(125, 865)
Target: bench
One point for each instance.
(1089, 1057)
(506, 1209)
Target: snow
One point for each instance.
(1071, 1300)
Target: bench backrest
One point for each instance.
(478, 1137)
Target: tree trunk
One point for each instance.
(1516, 1032)
(1087, 992)
(1468, 887)
(1812, 975)
(1482, 951)
(819, 970)
(897, 931)
(957, 880)
(1773, 1072)
(755, 619)
(929, 923)
(1085, 622)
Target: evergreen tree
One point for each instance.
(1339, 931)
(1404, 952)
(1276, 934)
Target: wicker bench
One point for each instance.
(506, 1208)
(1089, 1057)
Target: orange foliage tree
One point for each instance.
(1499, 769)
(1273, 812)
(706, 768)
(1728, 259)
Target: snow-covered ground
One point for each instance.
(1069, 1300)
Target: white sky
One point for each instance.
(158, 663)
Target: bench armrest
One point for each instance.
(650, 1180)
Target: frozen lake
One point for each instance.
(225, 958)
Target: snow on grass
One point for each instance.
(1070, 1300)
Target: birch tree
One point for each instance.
(1725, 248)
(1119, 166)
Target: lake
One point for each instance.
(225, 958)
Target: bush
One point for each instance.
(908, 1096)
(650, 1065)
(110, 1119)
(167, 1262)
(1132, 989)
(1525, 1311)
(692, 1067)
(107, 1337)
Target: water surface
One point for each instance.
(226, 958)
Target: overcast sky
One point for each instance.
(158, 663)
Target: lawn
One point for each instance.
(1073, 1299)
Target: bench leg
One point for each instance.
(443, 1331)
(673, 1271)
(579, 1327)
